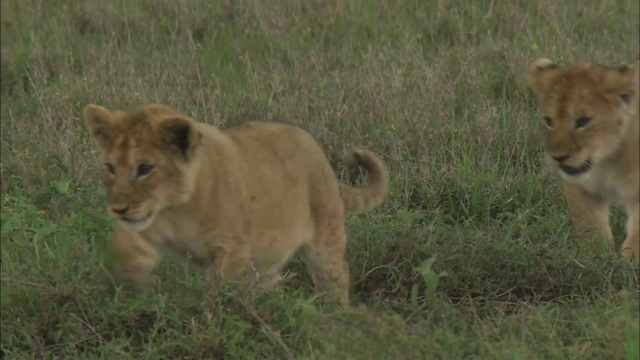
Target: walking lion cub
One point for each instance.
(591, 135)
(239, 201)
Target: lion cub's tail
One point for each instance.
(363, 199)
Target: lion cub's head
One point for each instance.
(587, 109)
(147, 154)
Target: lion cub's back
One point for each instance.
(286, 159)
(281, 158)
(289, 145)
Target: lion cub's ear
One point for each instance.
(98, 121)
(622, 82)
(541, 73)
(179, 135)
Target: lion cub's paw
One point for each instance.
(628, 254)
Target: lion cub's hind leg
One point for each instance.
(325, 259)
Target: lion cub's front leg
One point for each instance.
(590, 216)
(229, 262)
(135, 259)
(631, 245)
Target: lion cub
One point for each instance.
(591, 135)
(239, 201)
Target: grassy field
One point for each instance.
(470, 257)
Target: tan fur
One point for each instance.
(240, 201)
(591, 135)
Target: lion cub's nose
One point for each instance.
(120, 210)
(561, 158)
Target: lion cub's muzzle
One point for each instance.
(561, 163)
(119, 210)
(570, 170)
(131, 219)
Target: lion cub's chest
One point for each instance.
(178, 235)
(603, 185)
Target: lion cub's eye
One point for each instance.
(547, 121)
(110, 168)
(582, 122)
(626, 98)
(144, 169)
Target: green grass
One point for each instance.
(470, 257)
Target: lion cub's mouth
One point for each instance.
(137, 224)
(569, 170)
